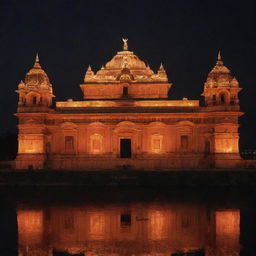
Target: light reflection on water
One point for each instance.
(133, 229)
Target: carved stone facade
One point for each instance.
(126, 120)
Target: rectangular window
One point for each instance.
(157, 144)
(184, 142)
(214, 99)
(125, 91)
(69, 143)
(96, 145)
(125, 219)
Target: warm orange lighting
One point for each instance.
(96, 143)
(157, 224)
(228, 229)
(134, 103)
(126, 99)
(97, 225)
(159, 229)
(156, 143)
(30, 226)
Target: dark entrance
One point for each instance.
(125, 148)
(125, 91)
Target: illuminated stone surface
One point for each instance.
(125, 101)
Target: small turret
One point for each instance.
(221, 87)
(89, 74)
(36, 90)
(161, 73)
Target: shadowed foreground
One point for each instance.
(128, 178)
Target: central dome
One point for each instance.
(113, 70)
(125, 59)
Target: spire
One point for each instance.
(21, 84)
(88, 74)
(219, 60)
(125, 46)
(37, 64)
(161, 68)
(219, 56)
(89, 71)
(37, 58)
(161, 72)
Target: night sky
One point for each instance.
(184, 35)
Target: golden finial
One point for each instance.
(161, 66)
(36, 64)
(37, 58)
(125, 47)
(89, 68)
(219, 56)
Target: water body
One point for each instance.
(60, 222)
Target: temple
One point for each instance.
(126, 120)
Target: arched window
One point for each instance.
(34, 100)
(125, 91)
(223, 98)
(96, 143)
(184, 142)
(156, 143)
(214, 99)
(69, 143)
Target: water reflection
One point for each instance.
(146, 229)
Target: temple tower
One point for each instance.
(35, 99)
(36, 90)
(222, 104)
(221, 87)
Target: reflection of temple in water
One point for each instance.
(143, 229)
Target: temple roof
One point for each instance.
(36, 78)
(219, 67)
(125, 62)
(221, 76)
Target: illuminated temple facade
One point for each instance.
(126, 120)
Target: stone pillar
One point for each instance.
(31, 149)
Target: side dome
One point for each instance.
(220, 75)
(36, 90)
(221, 87)
(37, 79)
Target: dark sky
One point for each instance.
(184, 35)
